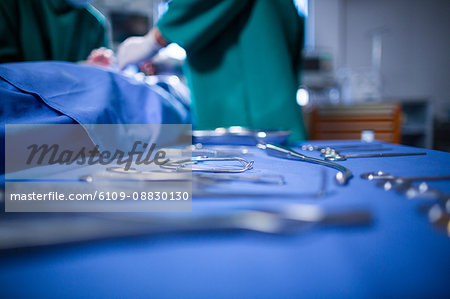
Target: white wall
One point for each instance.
(416, 43)
(328, 28)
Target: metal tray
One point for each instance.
(239, 136)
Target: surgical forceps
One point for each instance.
(182, 165)
(338, 157)
(342, 177)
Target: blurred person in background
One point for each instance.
(66, 30)
(243, 60)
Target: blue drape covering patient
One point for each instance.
(63, 93)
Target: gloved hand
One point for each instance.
(101, 57)
(137, 49)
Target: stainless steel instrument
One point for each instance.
(381, 175)
(343, 147)
(162, 176)
(438, 211)
(342, 177)
(186, 165)
(333, 151)
(63, 228)
(338, 157)
(439, 216)
(237, 135)
(195, 151)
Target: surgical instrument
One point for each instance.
(385, 177)
(269, 179)
(342, 177)
(193, 151)
(332, 151)
(381, 175)
(64, 228)
(119, 174)
(239, 135)
(182, 165)
(158, 176)
(439, 212)
(423, 190)
(342, 147)
(338, 157)
(239, 150)
(440, 218)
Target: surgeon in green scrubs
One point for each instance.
(243, 60)
(65, 30)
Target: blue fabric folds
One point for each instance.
(49, 92)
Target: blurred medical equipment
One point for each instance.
(381, 175)
(70, 228)
(438, 207)
(186, 165)
(344, 147)
(331, 151)
(237, 135)
(440, 217)
(342, 177)
(438, 211)
(269, 179)
(422, 190)
(120, 174)
(338, 157)
(199, 150)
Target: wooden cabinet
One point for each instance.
(347, 122)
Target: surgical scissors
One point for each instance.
(338, 157)
(342, 177)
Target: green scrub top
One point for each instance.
(243, 61)
(49, 30)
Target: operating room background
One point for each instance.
(413, 37)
